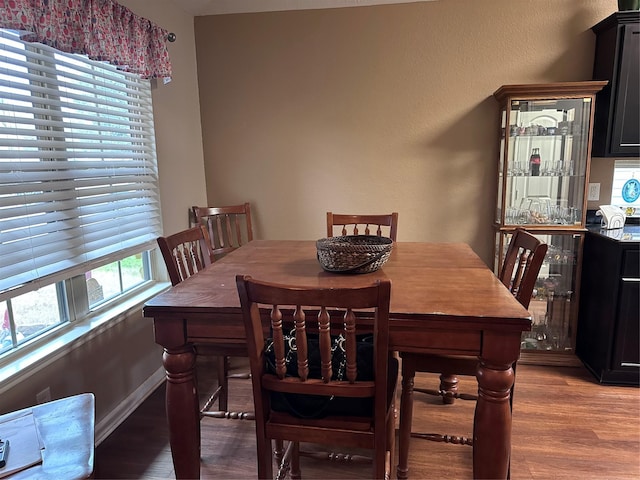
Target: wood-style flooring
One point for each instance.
(565, 426)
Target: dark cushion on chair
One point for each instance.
(317, 406)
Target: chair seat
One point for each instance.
(329, 422)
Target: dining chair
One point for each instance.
(348, 224)
(228, 227)
(186, 253)
(523, 260)
(321, 376)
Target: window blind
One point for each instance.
(78, 170)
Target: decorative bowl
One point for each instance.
(353, 253)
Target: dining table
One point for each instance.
(444, 300)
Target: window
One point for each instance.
(28, 315)
(79, 206)
(625, 192)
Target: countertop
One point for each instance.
(627, 234)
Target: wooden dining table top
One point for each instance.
(438, 282)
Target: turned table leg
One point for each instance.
(183, 411)
(492, 421)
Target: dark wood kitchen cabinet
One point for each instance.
(608, 334)
(616, 131)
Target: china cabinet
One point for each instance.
(617, 119)
(543, 170)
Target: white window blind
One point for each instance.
(78, 170)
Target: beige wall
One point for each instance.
(602, 173)
(376, 109)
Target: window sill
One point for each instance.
(33, 358)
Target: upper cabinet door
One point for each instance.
(617, 59)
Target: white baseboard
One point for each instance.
(111, 421)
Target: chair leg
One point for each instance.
(223, 383)
(391, 441)
(295, 462)
(380, 462)
(278, 451)
(265, 460)
(448, 385)
(383, 457)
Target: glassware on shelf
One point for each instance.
(560, 256)
(537, 210)
(558, 168)
(558, 324)
(565, 215)
(551, 315)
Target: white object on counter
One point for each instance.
(612, 217)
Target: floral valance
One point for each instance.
(103, 30)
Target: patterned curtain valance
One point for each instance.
(103, 30)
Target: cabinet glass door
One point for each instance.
(543, 156)
(554, 304)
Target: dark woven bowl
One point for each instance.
(353, 253)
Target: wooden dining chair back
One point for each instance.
(363, 225)
(228, 227)
(185, 253)
(321, 376)
(522, 264)
(521, 267)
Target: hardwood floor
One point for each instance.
(565, 426)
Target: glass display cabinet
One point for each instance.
(543, 171)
